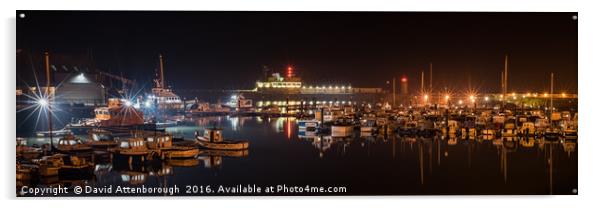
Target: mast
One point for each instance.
(393, 92)
(506, 76)
(431, 77)
(49, 98)
(502, 85)
(551, 95)
(422, 82)
(161, 76)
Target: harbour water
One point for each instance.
(280, 154)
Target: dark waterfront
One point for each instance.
(375, 165)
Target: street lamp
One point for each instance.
(43, 102)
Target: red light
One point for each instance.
(289, 72)
(404, 79)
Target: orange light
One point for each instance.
(403, 79)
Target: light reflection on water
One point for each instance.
(366, 164)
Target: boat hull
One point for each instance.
(177, 153)
(238, 145)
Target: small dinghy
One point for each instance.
(212, 139)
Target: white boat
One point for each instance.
(55, 133)
(306, 134)
(309, 124)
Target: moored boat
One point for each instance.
(49, 165)
(118, 113)
(26, 151)
(570, 132)
(132, 147)
(342, 127)
(509, 129)
(101, 139)
(368, 125)
(527, 129)
(70, 144)
(552, 134)
(212, 139)
(307, 124)
(55, 133)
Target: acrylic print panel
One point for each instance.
(224, 103)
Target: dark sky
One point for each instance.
(226, 50)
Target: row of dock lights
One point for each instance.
(329, 87)
(283, 103)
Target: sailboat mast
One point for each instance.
(506, 76)
(551, 94)
(161, 67)
(422, 82)
(502, 84)
(394, 104)
(431, 77)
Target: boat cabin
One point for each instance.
(21, 141)
(213, 134)
(118, 114)
(541, 123)
(70, 143)
(499, 119)
(529, 125)
(509, 125)
(453, 124)
(159, 141)
(134, 144)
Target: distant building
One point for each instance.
(80, 89)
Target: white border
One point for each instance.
(589, 76)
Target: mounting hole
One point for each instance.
(574, 17)
(574, 191)
(22, 15)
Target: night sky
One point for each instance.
(227, 50)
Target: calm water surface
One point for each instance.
(365, 165)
